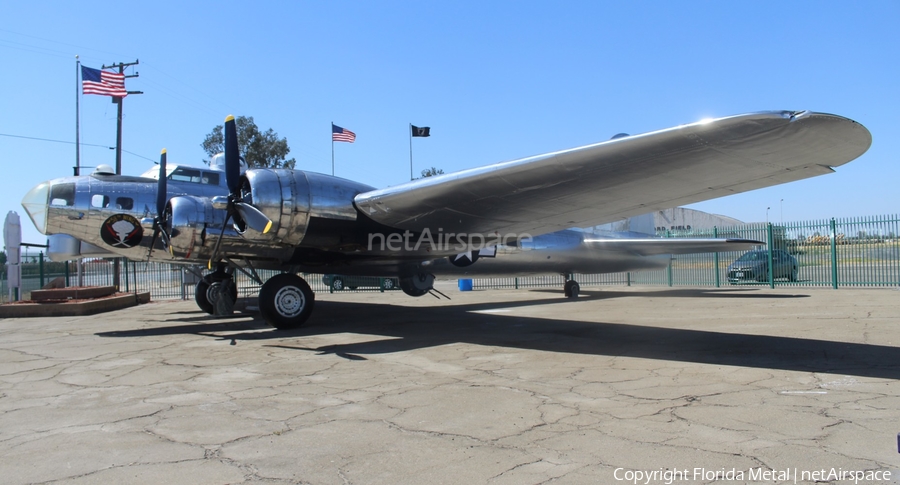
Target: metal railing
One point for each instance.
(848, 252)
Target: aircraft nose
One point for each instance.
(35, 203)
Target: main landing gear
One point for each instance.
(285, 301)
(571, 289)
(213, 287)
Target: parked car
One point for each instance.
(341, 282)
(754, 266)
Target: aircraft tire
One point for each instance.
(417, 285)
(571, 289)
(411, 290)
(414, 292)
(201, 293)
(286, 301)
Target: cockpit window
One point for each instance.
(62, 194)
(185, 175)
(196, 176)
(210, 178)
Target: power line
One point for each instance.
(56, 42)
(55, 141)
(204, 92)
(72, 143)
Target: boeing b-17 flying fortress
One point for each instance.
(510, 218)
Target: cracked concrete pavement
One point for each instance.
(494, 387)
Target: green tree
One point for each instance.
(431, 172)
(2, 258)
(259, 149)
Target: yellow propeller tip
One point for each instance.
(209, 265)
(229, 118)
(268, 226)
(163, 151)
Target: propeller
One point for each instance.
(159, 222)
(242, 212)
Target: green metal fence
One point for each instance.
(849, 252)
(163, 281)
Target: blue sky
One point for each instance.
(494, 80)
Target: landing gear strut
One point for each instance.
(286, 301)
(571, 289)
(211, 288)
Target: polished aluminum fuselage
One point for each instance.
(317, 229)
(292, 199)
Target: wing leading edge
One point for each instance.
(623, 177)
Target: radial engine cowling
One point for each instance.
(187, 220)
(289, 198)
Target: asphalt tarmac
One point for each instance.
(624, 385)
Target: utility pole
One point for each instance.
(118, 100)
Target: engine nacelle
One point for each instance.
(188, 219)
(289, 198)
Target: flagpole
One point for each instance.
(80, 264)
(77, 119)
(410, 153)
(332, 148)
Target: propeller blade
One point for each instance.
(236, 206)
(232, 156)
(158, 230)
(253, 217)
(161, 194)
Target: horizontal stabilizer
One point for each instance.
(654, 246)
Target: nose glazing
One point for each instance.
(35, 204)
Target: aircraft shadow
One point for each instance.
(409, 328)
(679, 293)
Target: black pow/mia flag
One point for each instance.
(421, 130)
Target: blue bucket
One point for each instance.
(465, 285)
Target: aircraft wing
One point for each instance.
(654, 246)
(623, 177)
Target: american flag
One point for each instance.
(95, 81)
(342, 134)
